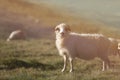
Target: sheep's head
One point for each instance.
(119, 46)
(62, 30)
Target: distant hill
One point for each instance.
(13, 17)
(39, 20)
(10, 21)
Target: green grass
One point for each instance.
(39, 60)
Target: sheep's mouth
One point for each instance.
(62, 35)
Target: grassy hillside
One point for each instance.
(39, 20)
(39, 60)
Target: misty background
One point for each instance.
(103, 11)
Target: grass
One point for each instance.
(39, 60)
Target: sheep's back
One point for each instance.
(87, 46)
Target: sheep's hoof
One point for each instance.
(71, 71)
(62, 70)
(103, 69)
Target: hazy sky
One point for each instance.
(105, 11)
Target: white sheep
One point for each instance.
(119, 48)
(17, 34)
(84, 46)
(113, 49)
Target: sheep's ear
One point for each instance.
(68, 28)
(57, 29)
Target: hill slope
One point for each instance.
(38, 20)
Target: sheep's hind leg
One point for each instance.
(103, 66)
(71, 64)
(106, 64)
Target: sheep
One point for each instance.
(113, 49)
(119, 48)
(72, 45)
(16, 35)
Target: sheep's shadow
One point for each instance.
(15, 63)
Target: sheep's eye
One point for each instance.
(57, 29)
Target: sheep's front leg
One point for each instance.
(71, 64)
(65, 63)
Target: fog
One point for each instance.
(103, 11)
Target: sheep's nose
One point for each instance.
(62, 33)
